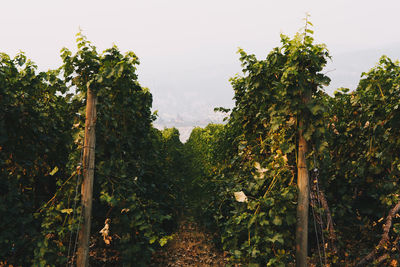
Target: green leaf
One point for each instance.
(54, 171)
(69, 211)
(316, 108)
(277, 220)
(153, 239)
(309, 31)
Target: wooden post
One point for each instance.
(88, 174)
(303, 197)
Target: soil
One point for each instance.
(190, 247)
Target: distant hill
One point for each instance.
(346, 67)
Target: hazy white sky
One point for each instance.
(188, 48)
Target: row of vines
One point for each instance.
(246, 169)
(42, 121)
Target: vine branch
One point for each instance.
(384, 240)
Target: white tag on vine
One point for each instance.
(240, 196)
(260, 171)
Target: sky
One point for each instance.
(187, 48)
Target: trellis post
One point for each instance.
(88, 177)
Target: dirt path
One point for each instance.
(190, 247)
